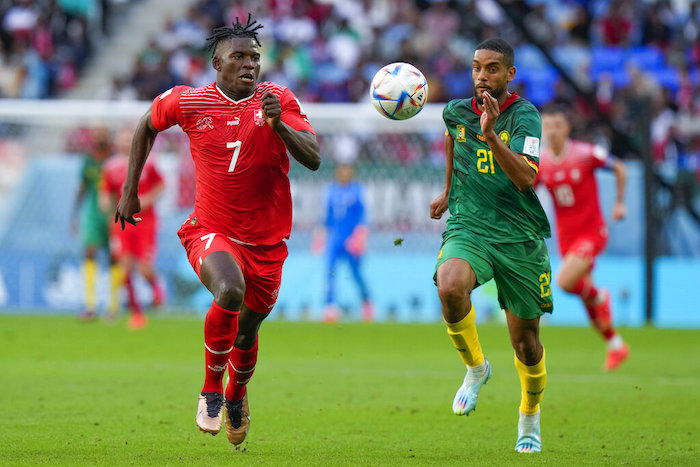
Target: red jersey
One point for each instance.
(241, 164)
(571, 180)
(114, 173)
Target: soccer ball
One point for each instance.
(399, 91)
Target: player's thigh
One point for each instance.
(263, 276)
(573, 268)
(463, 261)
(523, 277)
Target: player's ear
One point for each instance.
(216, 62)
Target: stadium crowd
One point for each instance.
(45, 43)
(612, 50)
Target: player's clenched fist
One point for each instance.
(272, 109)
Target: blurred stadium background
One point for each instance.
(627, 69)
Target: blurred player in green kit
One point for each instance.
(496, 230)
(94, 224)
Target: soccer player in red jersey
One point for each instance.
(134, 248)
(240, 133)
(567, 170)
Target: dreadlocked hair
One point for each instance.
(236, 30)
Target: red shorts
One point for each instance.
(138, 241)
(587, 246)
(261, 265)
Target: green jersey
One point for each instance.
(482, 197)
(91, 174)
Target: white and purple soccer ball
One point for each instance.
(399, 91)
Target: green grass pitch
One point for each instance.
(346, 394)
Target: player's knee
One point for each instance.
(565, 284)
(229, 295)
(451, 291)
(528, 349)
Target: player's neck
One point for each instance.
(231, 94)
(558, 149)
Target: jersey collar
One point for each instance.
(510, 100)
(221, 93)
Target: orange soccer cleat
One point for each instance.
(616, 357)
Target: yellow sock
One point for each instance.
(533, 379)
(117, 277)
(466, 340)
(90, 269)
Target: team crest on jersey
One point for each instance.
(505, 137)
(204, 123)
(259, 120)
(461, 133)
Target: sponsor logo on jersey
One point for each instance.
(505, 137)
(204, 123)
(480, 137)
(461, 133)
(233, 122)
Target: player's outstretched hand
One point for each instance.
(490, 115)
(126, 208)
(619, 211)
(439, 205)
(272, 109)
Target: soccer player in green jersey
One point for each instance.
(94, 227)
(496, 230)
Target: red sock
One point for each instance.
(220, 329)
(586, 290)
(131, 294)
(241, 364)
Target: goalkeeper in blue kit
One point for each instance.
(496, 230)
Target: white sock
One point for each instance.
(476, 372)
(528, 423)
(615, 342)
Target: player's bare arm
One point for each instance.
(129, 204)
(439, 205)
(517, 169)
(620, 171)
(302, 144)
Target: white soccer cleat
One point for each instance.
(467, 394)
(529, 437)
(210, 412)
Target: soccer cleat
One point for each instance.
(87, 315)
(367, 311)
(465, 399)
(210, 412)
(331, 314)
(529, 440)
(616, 357)
(237, 420)
(137, 321)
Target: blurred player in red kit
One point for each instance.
(567, 170)
(241, 133)
(134, 248)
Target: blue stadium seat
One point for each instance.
(607, 58)
(645, 58)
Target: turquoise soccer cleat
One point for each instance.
(465, 399)
(529, 441)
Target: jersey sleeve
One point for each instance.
(165, 111)
(527, 135)
(600, 157)
(292, 112)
